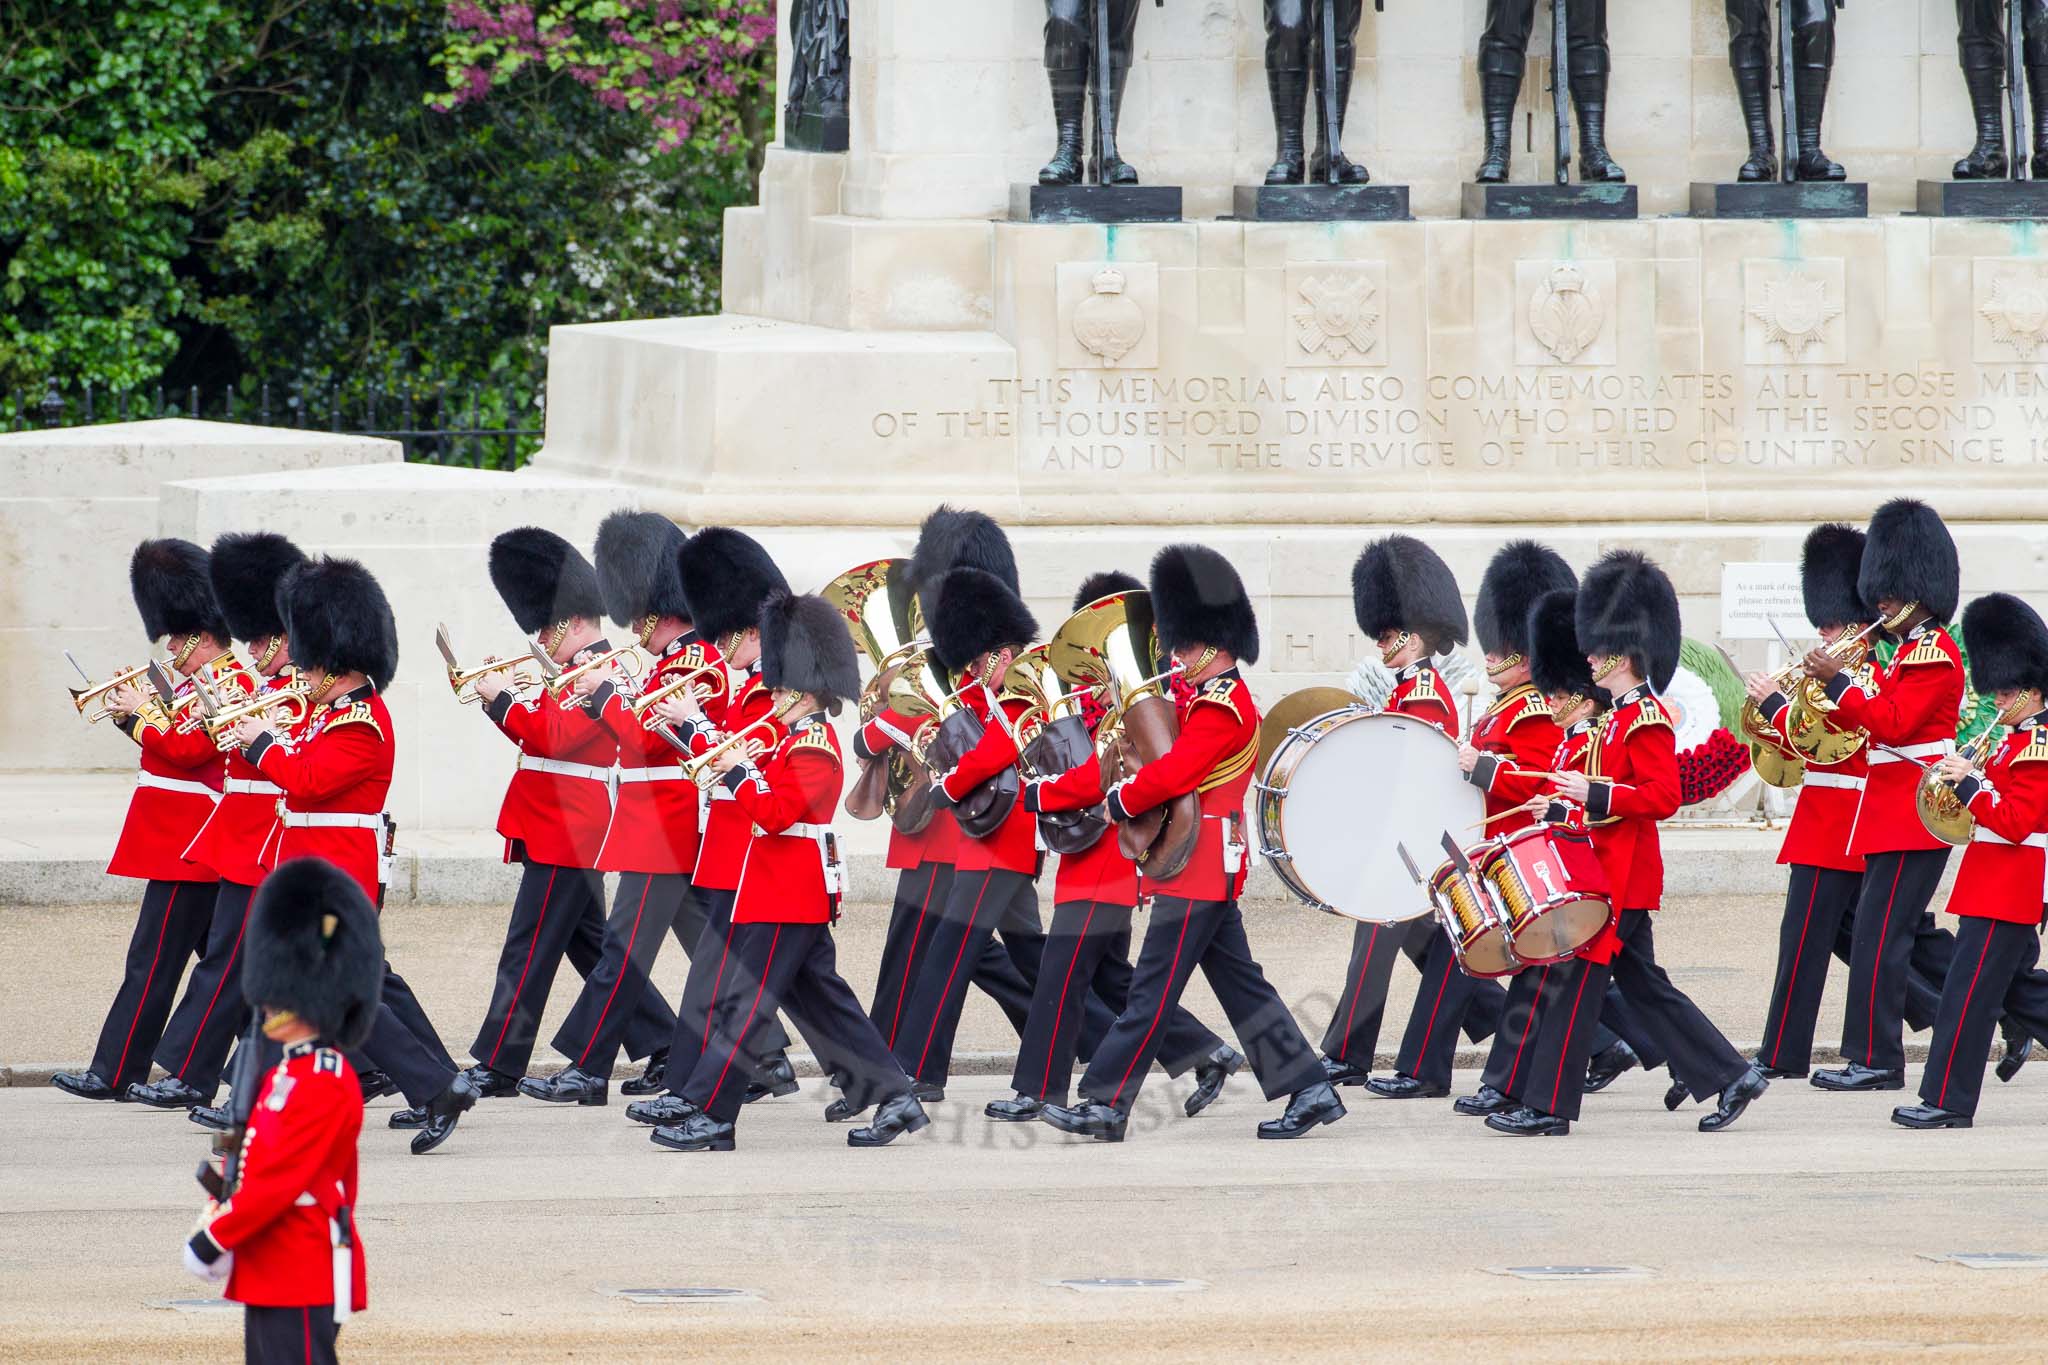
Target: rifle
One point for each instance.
(2015, 97)
(1560, 88)
(247, 1077)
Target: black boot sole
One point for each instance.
(1288, 1135)
(916, 1125)
(715, 1145)
(1953, 1121)
(1000, 1116)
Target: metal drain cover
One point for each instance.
(1992, 1260)
(194, 1305)
(1573, 1272)
(1115, 1284)
(686, 1294)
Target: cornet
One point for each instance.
(285, 707)
(699, 768)
(624, 657)
(84, 697)
(462, 681)
(642, 707)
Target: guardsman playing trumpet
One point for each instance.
(653, 837)
(180, 779)
(1998, 887)
(1911, 576)
(780, 947)
(245, 570)
(726, 578)
(1206, 624)
(1406, 601)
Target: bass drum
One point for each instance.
(1343, 792)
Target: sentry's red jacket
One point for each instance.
(1214, 756)
(162, 820)
(1917, 699)
(560, 817)
(654, 821)
(231, 842)
(789, 799)
(338, 763)
(2004, 869)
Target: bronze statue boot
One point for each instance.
(1070, 110)
(1813, 98)
(1497, 95)
(1986, 160)
(1107, 167)
(1289, 92)
(1349, 172)
(1589, 97)
(1753, 88)
(2037, 88)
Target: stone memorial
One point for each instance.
(1088, 51)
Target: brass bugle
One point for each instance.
(221, 723)
(624, 657)
(642, 707)
(698, 768)
(462, 681)
(84, 697)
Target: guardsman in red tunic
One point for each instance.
(1911, 576)
(245, 570)
(1088, 950)
(1204, 620)
(334, 770)
(779, 952)
(2000, 884)
(652, 841)
(1406, 602)
(556, 810)
(283, 1232)
(179, 782)
(1627, 625)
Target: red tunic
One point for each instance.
(559, 802)
(1420, 691)
(1826, 812)
(939, 840)
(298, 1175)
(654, 822)
(2006, 865)
(1575, 752)
(727, 831)
(1516, 738)
(335, 769)
(1632, 763)
(1013, 846)
(789, 800)
(231, 842)
(180, 780)
(1101, 873)
(1914, 707)
(1214, 755)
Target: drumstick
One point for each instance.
(1517, 810)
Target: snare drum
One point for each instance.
(1551, 886)
(1473, 920)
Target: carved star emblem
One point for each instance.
(1335, 317)
(1795, 310)
(2018, 311)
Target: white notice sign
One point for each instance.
(1753, 595)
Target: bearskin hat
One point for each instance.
(246, 569)
(1828, 568)
(1401, 584)
(1097, 586)
(1627, 606)
(174, 591)
(313, 948)
(1198, 599)
(543, 579)
(338, 619)
(1911, 556)
(975, 613)
(2008, 644)
(954, 538)
(806, 647)
(637, 574)
(1519, 573)
(1550, 637)
(726, 576)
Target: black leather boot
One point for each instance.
(573, 1086)
(1486, 1101)
(1020, 1109)
(375, 1085)
(651, 1081)
(896, 1116)
(1929, 1116)
(1753, 89)
(2019, 1044)
(168, 1093)
(1607, 1064)
(1349, 172)
(1986, 160)
(85, 1085)
(2037, 91)
(1309, 1108)
(1527, 1122)
(664, 1109)
(1339, 1072)
(1497, 95)
(1114, 170)
(1813, 101)
(491, 1085)
(443, 1112)
(1288, 90)
(1856, 1076)
(1734, 1100)
(1069, 108)
(1089, 1118)
(839, 1111)
(408, 1118)
(1589, 100)
(774, 1077)
(1220, 1066)
(697, 1133)
(1400, 1087)
(213, 1118)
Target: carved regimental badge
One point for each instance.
(1336, 318)
(1108, 323)
(2017, 309)
(1796, 309)
(1566, 313)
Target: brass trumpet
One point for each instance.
(624, 657)
(698, 769)
(462, 681)
(83, 698)
(642, 707)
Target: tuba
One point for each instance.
(1110, 646)
(882, 614)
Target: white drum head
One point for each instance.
(1372, 782)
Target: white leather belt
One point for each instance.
(668, 774)
(1937, 749)
(318, 819)
(176, 784)
(807, 831)
(719, 794)
(1985, 836)
(242, 786)
(561, 769)
(1838, 781)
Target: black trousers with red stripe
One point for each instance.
(211, 1014)
(1992, 974)
(1895, 936)
(1088, 952)
(1181, 936)
(921, 894)
(170, 927)
(289, 1336)
(646, 908)
(1548, 1068)
(1513, 1040)
(976, 904)
(715, 973)
(1354, 1032)
(792, 967)
(1446, 1001)
(403, 1047)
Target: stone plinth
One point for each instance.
(1068, 204)
(1322, 203)
(1529, 203)
(1781, 199)
(1984, 198)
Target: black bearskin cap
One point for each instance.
(1519, 573)
(313, 948)
(174, 591)
(1551, 639)
(543, 579)
(1198, 599)
(246, 569)
(1628, 606)
(637, 574)
(1911, 556)
(954, 538)
(2008, 644)
(1828, 568)
(1401, 584)
(975, 613)
(726, 577)
(806, 647)
(1097, 586)
(338, 619)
